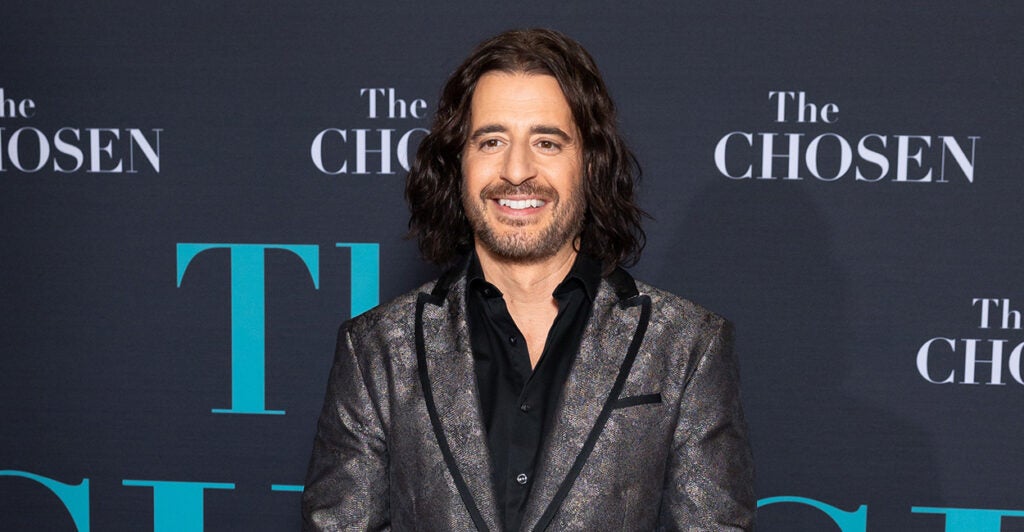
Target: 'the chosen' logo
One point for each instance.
(829, 156)
(66, 150)
(939, 359)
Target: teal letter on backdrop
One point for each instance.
(248, 316)
(74, 497)
(178, 506)
(365, 279)
(855, 521)
(970, 519)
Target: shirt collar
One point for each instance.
(586, 272)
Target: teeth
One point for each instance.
(521, 204)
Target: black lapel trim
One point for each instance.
(449, 277)
(625, 286)
(435, 420)
(623, 283)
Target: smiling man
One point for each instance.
(535, 385)
(522, 170)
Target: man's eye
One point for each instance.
(548, 145)
(490, 144)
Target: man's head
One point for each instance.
(521, 168)
(588, 192)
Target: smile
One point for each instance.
(521, 204)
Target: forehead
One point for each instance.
(517, 97)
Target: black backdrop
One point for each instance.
(168, 168)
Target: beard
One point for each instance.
(524, 241)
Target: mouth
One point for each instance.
(519, 209)
(521, 204)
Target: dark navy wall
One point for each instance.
(194, 196)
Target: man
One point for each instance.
(535, 385)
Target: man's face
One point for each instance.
(521, 167)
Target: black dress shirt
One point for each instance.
(515, 399)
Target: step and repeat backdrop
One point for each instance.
(194, 195)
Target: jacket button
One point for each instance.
(525, 407)
(512, 340)
(521, 479)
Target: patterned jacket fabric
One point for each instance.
(648, 434)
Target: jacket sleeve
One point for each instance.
(346, 485)
(709, 484)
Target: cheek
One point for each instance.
(566, 176)
(471, 183)
(475, 173)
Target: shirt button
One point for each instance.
(525, 407)
(521, 479)
(512, 340)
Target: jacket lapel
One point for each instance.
(610, 341)
(448, 380)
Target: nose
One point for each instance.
(518, 165)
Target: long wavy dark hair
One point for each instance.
(611, 225)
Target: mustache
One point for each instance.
(526, 188)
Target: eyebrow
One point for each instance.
(535, 130)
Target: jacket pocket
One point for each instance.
(634, 400)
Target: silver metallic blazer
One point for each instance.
(648, 434)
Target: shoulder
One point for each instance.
(674, 312)
(390, 318)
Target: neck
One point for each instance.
(527, 282)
